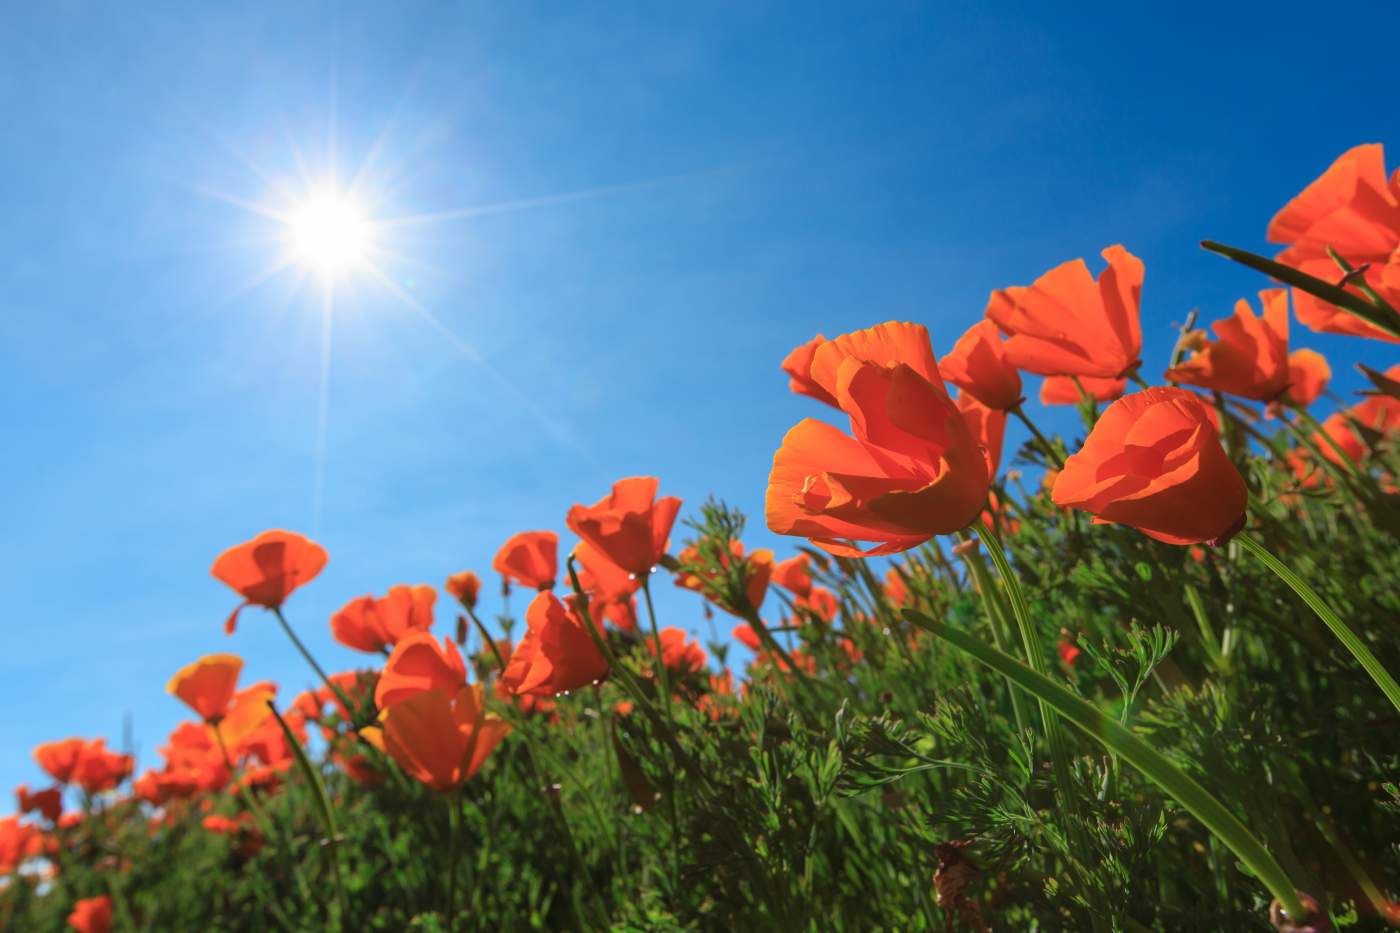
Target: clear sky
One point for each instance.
(625, 216)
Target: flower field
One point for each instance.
(1140, 678)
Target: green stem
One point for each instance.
(663, 676)
(454, 820)
(1349, 639)
(330, 685)
(1183, 788)
(992, 605)
(1044, 442)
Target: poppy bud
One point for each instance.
(461, 630)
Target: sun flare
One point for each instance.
(330, 233)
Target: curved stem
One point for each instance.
(1349, 639)
(1153, 764)
(1044, 442)
(320, 672)
(995, 618)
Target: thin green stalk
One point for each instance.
(663, 676)
(997, 621)
(1179, 785)
(330, 685)
(454, 820)
(1349, 639)
(1041, 439)
(323, 807)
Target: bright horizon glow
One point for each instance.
(330, 233)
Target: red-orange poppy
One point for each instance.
(977, 364)
(819, 602)
(1251, 357)
(798, 366)
(60, 759)
(744, 634)
(375, 624)
(1067, 324)
(1154, 461)
(912, 469)
(18, 842)
(556, 655)
(609, 588)
(530, 558)
(419, 662)
(896, 590)
(207, 685)
(988, 426)
(246, 713)
(92, 915)
(757, 569)
(242, 829)
(464, 587)
(1065, 390)
(265, 570)
(680, 654)
(48, 803)
(794, 575)
(629, 526)
(442, 738)
(1353, 209)
(1308, 375)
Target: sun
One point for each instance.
(330, 233)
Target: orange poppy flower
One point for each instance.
(529, 705)
(630, 526)
(464, 588)
(988, 426)
(758, 570)
(610, 589)
(18, 842)
(1067, 324)
(1251, 357)
(744, 634)
(1062, 390)
(48, 803)
(977, 364)
(912, 469)
(1308, 375)
(60, 759)
(265, 570)
(373, 625)
(1154, 461)
(442, 738)
(206, 686)
(247, 712)
(896, 591)
(530, 558)
(419, 662)
(798, 365)
(556, 655)
(820, 602)
(678, 653)
(92, 915)
(793, 575)
(1353, 209)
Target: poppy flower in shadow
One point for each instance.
(442, 738)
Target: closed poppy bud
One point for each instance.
(1154, 461)
(92, 915)
(530, 558)
(798, 365)
(792, 575)
(265, 570)
(1308, 375)
(207, 685)
(48, 803)
(464, 587)
(556, 655)
(910, 468)
(1251, 357)
(630, 526)
(977, 364)
(1352, 209)
(1067, 324)
(1065, 390)
(442, 738)
(419, 662)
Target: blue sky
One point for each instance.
(655, 203)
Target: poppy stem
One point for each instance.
(663, 677)
(330, 685)
(454, 819)
(1035, 655)
(992, 604)
(490, 642)
(1349, 639)
(1044, 442)
(1179, 785)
